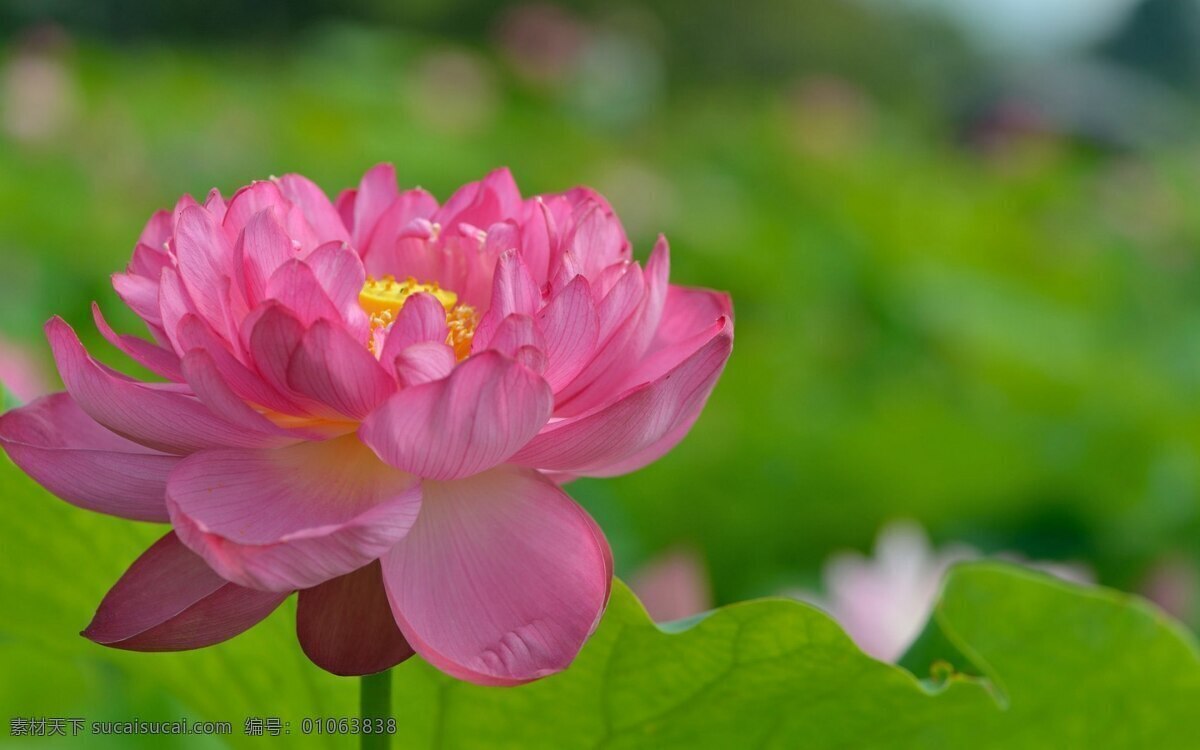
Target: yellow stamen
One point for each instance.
(461, 322)
(383, 298)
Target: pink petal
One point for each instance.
(272, 337)
(422, 319)
(686, 318)
(502, 578)
(500, 183)
(658, 269)
(687, 321)
(481, 204)
(169, 600)
(149, 262)
(531, 357)
(151, 356)
(341, 274)
(215, 204)
(212, 391)
(66, 452)
(174, 303)
(447, 214)
(290, 518)
(617, 313)
(376, 192)
(467, 266)
(140, 294)
(251, 200)
(595, 237)
(378, 247)
(185, 202)
(345, 625)
(626, 345)
(295, 285)
(538, 240)
(597, 443)
(519, 337)
(192, 333)
(414, 251)
(513, 291)
(688, 311)
(621, 301)
(424, 362)
(155, 234)
(565, 270)
(464, 424)
(570, 325)
(264, 246)
(338, 371)
(344, 205)
(340, 271)
(266, 195)
(501, 238)
(165, 420)
(319, 212)
(206, 260)
(651, 452)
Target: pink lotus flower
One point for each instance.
(373, 403)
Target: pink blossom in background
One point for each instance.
(673, 586)
(543, 42)
(452, 91)
(829, 117)
(21, 373)
(39, 97)
(370, 402)
(1173, 584)
(884, 601)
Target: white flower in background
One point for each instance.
(884, 601)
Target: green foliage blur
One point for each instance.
(963, 296)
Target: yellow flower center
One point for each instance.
(383, 298)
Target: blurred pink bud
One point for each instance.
(542, 42)
(21, 373)
(39, 90)
(673, 586)
(830, 116)
(453, 90)
(1173, 584)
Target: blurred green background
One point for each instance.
(960, 238)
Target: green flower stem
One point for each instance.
(375, 694)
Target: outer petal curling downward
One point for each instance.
(291, 518)
(66, 452)
(501, 580)
(169, 600)
(345, 625)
